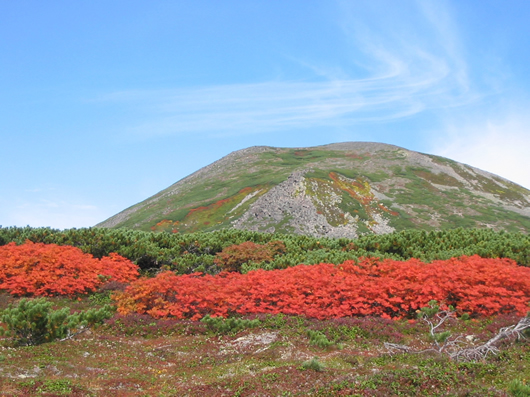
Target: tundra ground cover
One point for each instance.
(278, 354)
(136, 355)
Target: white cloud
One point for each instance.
(439, 17)
(500, 147)
(403, 75)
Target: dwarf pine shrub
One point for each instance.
(518, 388)
(313, 364)
(231, 325)
(319, 339)
(33, 322)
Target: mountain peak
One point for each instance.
(336, 190)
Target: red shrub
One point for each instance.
(388, 288)
(232, 257)
(49, 269)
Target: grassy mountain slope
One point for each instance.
(337, 190)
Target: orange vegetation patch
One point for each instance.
(387, 210)
(232, 257)
(164, 224)
(301, 153)
(49, 269)
(217, 204)
(361, 191)
(372, 287)
(247, 190)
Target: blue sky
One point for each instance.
(105, 103)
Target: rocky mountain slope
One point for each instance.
(337, 190)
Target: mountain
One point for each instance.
(336, 190)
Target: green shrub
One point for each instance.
(313, 364)
(319, 339)
(57, 386)
(101, 298)
(231, 325)
(429, 311)
(33, 322)
(518, 388)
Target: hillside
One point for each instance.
(337, 190)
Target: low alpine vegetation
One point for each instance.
(33, 321)
(313, 365)
(232, 325)
(193, 252)
(389, 289)
(234, 256)
(317, 338)
(49, 269)
(447, 307)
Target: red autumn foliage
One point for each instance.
(387, 288)
(231, 258)
(50, 269)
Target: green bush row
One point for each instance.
(187, 253)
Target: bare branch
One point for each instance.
(454, 346)
(480, 352)
(393, 347)
(71, 335)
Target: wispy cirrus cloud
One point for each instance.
(398, 75)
